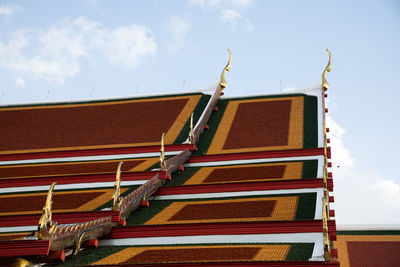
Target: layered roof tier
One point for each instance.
(98, 124)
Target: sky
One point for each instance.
(72, 50)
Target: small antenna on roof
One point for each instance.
(183, 86)
(280, 85)
(91, 93)
(2, 95)
(47, 95)
(137, 88)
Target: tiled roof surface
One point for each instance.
(118, 123)
(262, 124)
(248, 172)
(228, 209)
(208, 253)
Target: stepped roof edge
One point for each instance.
(207, 90)
(308, 90)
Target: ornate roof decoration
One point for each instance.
(227, 68)
(328, 68)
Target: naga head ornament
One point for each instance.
(227, 68)
(328, 68)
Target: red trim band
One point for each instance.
(228, 264)
(24, 248)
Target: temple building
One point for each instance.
(188, 179)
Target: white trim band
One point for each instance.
(18, 229)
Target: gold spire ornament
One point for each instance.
(328, 68)
(20, 262)
(162, 156)
(325, 217)
(117, 188)
(46, 217)
(227, 68)
(191, 133)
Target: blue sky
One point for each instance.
(65, 50)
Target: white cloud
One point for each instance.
(230, 11)
(200, 3)
(230, 16)
(178, 28)
(362, 195)
(92, 2)
(20, 82)
(8, 10)
(340, 155)
(127, 45)
(248, 26)
(390, 190)
(56, 56)
(224, 3)
(56, 53)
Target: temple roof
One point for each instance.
(242, 181)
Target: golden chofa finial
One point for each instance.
(227, 68)
(191, 133)
(325, 84)
(20, 262)
(45, 219)
(117, 188)
(162, 156)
